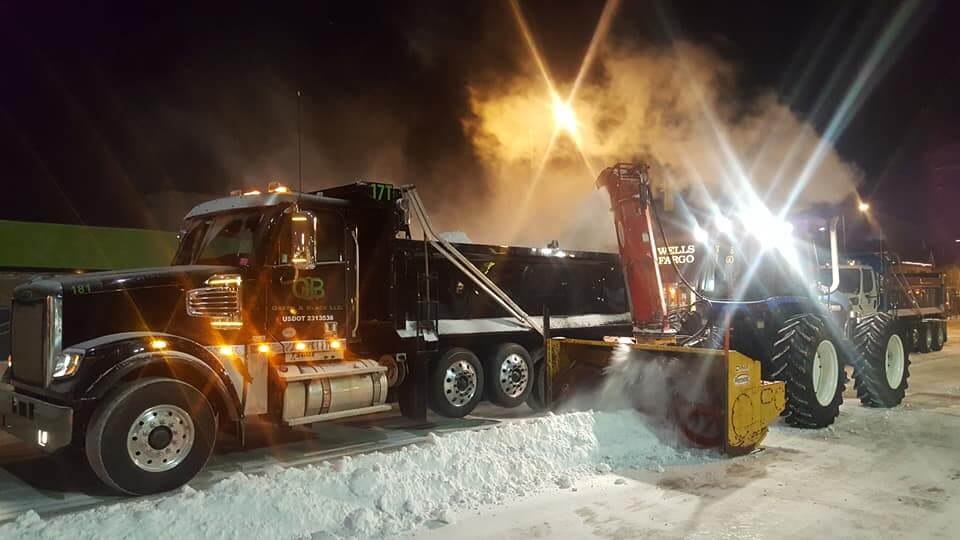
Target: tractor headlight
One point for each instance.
(67, 363)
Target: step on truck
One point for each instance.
(301, 308)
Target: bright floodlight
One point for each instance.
(723, 224)
(771, 231)
(700, 235)
(863, 206)
(563, 116)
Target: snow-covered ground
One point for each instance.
(874, 474)
(383, 494)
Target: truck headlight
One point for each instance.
(67, 363)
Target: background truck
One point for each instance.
(911, 292)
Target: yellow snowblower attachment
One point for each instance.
(696, 397)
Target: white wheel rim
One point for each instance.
(826, 372)
(893, 361)
(513, 375)
(460, 383)
(153, 451)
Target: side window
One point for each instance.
(867, 282)
(329, 241)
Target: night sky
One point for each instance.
(106, 104)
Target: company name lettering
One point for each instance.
(681, 254)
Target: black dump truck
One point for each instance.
(296, 307)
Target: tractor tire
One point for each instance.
(938, 336)
(883, 362)
(509, 375)
(150, 436)
(808, 359)
(537, 400)
(456, 383)
(925, 343)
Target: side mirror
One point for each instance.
(303, 241)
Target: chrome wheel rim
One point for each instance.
(826, 372)
(893, 362)
(514, 375)
(460, 383)
(160, 438)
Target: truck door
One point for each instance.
(308, 296)
(870, 295)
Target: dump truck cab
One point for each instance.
(256, 315)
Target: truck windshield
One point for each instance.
(228, 239)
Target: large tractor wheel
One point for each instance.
(883, 362)
(151, 435)
(456, 383)
(939, 336)
(509, 375)
(808, 359)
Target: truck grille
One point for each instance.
(27, 342)
(219, 301)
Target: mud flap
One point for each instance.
(413, 392)
(692, 397)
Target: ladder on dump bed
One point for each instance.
(458, 260)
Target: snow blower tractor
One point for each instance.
(708, 398)
(773, 290)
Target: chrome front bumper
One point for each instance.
(35, 421)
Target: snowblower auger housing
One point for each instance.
(694, 397)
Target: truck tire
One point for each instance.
(151, 435)
(925, 343)
(508, 372)
(537, 400)
(456, 383)
(938, 338)
(808, 359)
(883, 362)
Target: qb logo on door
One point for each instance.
(308, 288)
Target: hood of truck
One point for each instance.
(187, 276)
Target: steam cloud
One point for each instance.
(675, 107)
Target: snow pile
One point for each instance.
(381, 494)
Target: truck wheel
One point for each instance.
(938, 338)
(456, 383)
(151, 435)
(926, 338)
(808, 360)
(883, 362)
(509, 375)
(537, 400)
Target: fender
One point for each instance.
(129, 352)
